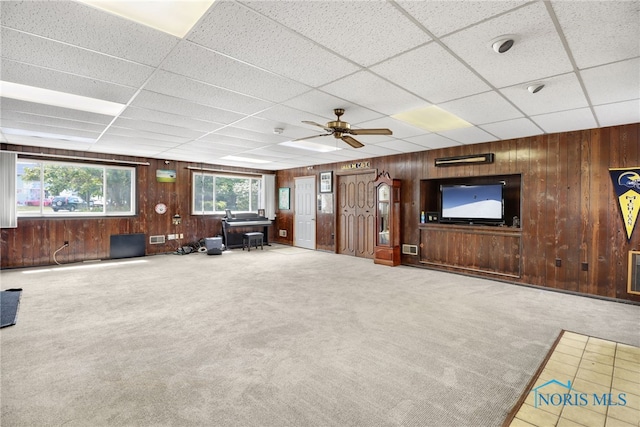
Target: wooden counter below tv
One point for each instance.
(472, 248)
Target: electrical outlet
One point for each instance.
(283, 233)
(181, 236)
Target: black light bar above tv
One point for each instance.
(465, 160)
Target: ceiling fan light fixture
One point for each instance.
(342, 130)
(502, 44)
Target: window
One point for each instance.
(45, 188)
(214, 193)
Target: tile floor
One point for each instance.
(586, 382)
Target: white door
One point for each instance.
(304, 222)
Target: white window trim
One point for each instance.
(44, 213)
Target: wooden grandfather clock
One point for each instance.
(387, 250)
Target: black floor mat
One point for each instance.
(9, 302)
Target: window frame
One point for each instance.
(215, 175)
(46, 211)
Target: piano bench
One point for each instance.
(252, 238)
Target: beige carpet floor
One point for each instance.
(280, 337)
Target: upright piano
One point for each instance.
(235, 225)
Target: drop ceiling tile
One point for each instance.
(376, 24)
(117, 141)
(8, 104)
(267, 126)
(232, 143)
(201, 93)
(433, 141)
(613, 82)
(376, 150)
(365, 88)
(208, 147)
(90, 28)
(135, 113)
(280, 152)
(127, 150)
(229, 28)
(158, 128)
(47, 143)
(619, 113)
(175, 105)
(562, 92)
(444, 17)
(26, 118)
(565, 121)
(431, 73)
(31, 75)
(46, 53)
(599, 32)
(294, 117)
(400, 129)
(322, 103)
(472, 135)
(131, 135)
(537, 53)
(510, 129)
(47, 128)
(474, 108)
(210, 67)
(263, 138)
(400, 146)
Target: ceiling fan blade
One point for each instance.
(380, 131)
(352, 141)
(310, 137)
(317, 124)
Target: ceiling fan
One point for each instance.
(342, 130)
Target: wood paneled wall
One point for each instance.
(35, 240)
(569, 210)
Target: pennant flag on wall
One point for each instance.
(626, 182)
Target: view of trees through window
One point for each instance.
(58, 188)
(215, 193)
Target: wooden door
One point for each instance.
(356, 215)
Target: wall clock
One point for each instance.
(161, 208)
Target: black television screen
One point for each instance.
(472, 203)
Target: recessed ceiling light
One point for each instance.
(433, 119)
(535, 88)
(244, 159)
(59, 99)
(175, 17)
(311, 146)
(503, 43)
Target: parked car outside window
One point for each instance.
(67, 203)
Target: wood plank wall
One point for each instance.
(569, 211)
(35, 240)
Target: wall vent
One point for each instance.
(156, 240)
(410, 249)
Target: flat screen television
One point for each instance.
(481, 204)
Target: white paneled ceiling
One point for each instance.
(248, 68)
